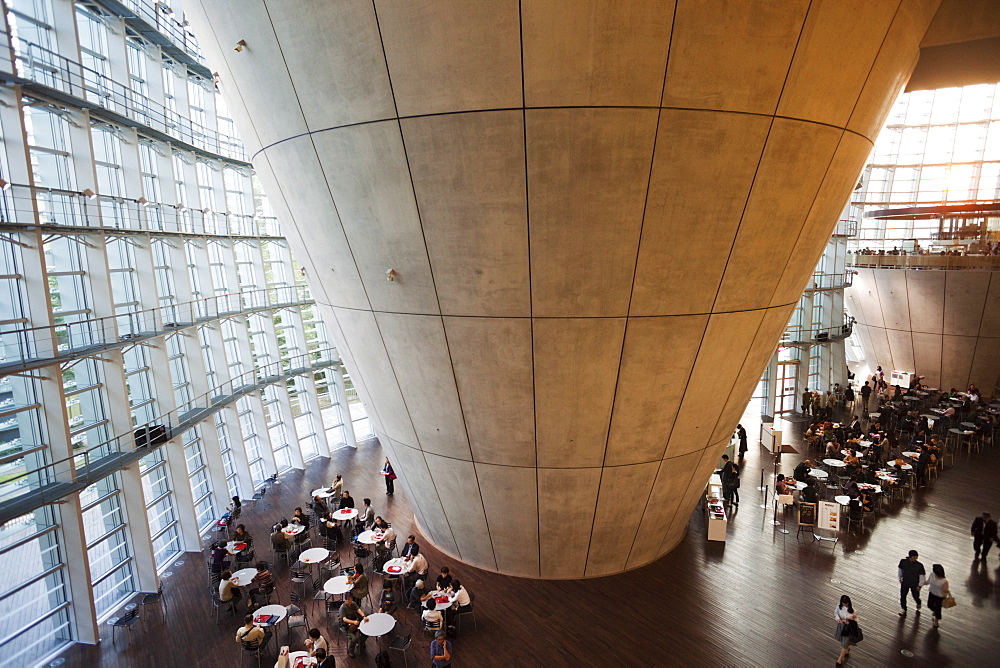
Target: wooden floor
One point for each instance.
(760, 599)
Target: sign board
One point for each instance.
(807, 514)
(770, 437)
(901, 378)
(829, 516)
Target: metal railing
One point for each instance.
(70, 208)
(846, 227)
(49, 482)
(165, 23)
(981, 262)
(830, 281)
(38, 346)
(799, 336)
(47, 68)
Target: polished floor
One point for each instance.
(762, 598)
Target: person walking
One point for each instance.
(844, 614)
(911, 576)
(727, 475)
(984, 533)
(389, 477)
(741, 434)
(938, 588)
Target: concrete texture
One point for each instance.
(599, 216)
(943, 324)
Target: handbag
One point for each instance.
(856, 635)
(949, 601)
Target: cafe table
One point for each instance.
(911, 455)
(322, 492)
(835, 463)
(242, 577)
(377, 624)
(300, 660)
(293, 530)
(234, 548)
(314, 555)
(441, 599)
(275, 610)
(370, 537)
(819, 474)
(338, 585)
(843, 500)
(344, 514)
(395, 566)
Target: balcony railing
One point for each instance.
(830, 281)
(846, 227)
(161, 17)
(795, 336)
(980, 262)
(46, 483)
(70, 208)
(38, 346)
(44, 67)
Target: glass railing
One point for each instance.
(48, 68)
(117, 452)
(67, 340)
(846, 227)
(830, 281)
(70, 208)
(981, 262)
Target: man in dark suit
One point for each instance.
(411, 548)
(984, 533)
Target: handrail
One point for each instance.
(821, 335)
(846, 227)
(72, 208)
(57, 479)
(982, 262)
(166, 25)
(75, 339)
(47, 68)
(821, 281)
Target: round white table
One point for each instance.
(299, 659)
(911, 455)
(345, 514)
(865, 444)
(906, 467)
(337, 585)
(835, 463)
(799, 485)
(395, 566)
(441, 605)
(369, 537)
(232, 547)
(277, 610)
(242, 577)
(322, 492)
(293, 529)
(842, 500)
(818, 474)
(314, 555)
(377, 624)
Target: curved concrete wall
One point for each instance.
(943, 324)
(600, 215)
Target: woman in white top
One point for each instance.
(844, 614)
(432, 618)
(938, 590)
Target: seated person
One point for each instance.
(851, 458)
(323, 660)
(851, 489)
(461, 601)
(350, 619)
(360, 582)
(867, 503)
(415, 595)
(315, 642)
(802, 471)
(262, 583)
(250, 634)
(781, 485)
(279, 541)
(346, 501)
(444, 580)
(417, 569)
(300, 518)
(219, 555)
(387, 602)
(241, 536)
(832, 450)
(432, 618)
(810, 494)
(320, 507)
(228, 591)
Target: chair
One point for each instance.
(126, 620)
(297, 617)
(155, 597)
(401, 642)
(301, 577)
(470, 610)
(256, 649)
(855, 515)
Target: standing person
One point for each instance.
(866, 392)
(844, 614)
(984, 533)
(806, 401)
(911, 575)
(849, 397)
(734, 482)
(389, 477)
(727, 474)
(337, 486)
(938, 589)
(741, 434)
(440, 650)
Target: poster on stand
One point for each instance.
(829, 516)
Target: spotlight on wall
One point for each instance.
(216, 78)
(179, 207)
(391, 275)
(90, 194)
(240, 45)
(5, 185)
(143, 201)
